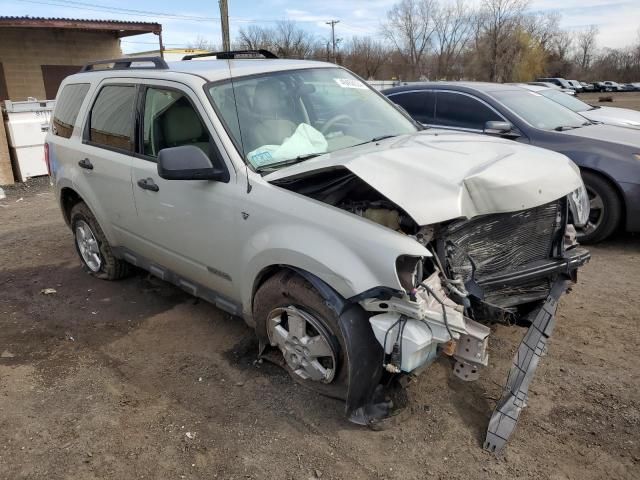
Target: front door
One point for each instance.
(186, 226)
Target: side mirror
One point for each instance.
(504, 129)
(189, 162)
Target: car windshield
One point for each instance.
(539, 111)
(283, 117)
(566, 100)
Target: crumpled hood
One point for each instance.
(615, 116)
(438, 175)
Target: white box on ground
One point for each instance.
(27, 124)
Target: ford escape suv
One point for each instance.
(356, 243)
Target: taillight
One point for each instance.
(46, 157)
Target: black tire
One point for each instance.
(611, 209)
(111, 268)
(287, 288)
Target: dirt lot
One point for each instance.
(135, 379)
(620, 99)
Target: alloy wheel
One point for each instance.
(88, 246)
(596, 213)
(304, 342)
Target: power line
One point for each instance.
(126, 11)
(145, 13)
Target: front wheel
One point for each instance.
(292, 317)
(606, 209)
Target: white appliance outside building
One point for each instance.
(27, 124)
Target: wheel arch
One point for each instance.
(334, 300)
(68, 199)
(616, 188)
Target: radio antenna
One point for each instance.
(235, 103)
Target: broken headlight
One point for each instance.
(579, 206)
(410, 271)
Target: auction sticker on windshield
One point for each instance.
(350, 83)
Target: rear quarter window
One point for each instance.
(111, 117)
(67, 108)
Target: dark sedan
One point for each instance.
(608, 156)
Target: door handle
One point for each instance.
(86, 164)
(148, 184)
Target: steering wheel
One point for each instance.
(333, 120)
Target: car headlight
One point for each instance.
(579, 206)
(409, 271)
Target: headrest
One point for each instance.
(269, 99)
(181, 125)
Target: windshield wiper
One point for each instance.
(562, 128)
(284, 163)
(375, 139)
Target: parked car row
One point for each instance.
(356, 243)
(593, 137)
(574, 86)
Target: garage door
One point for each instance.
(4, 94)
(53, 76)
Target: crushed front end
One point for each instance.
(499, 268)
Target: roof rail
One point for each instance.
(230, 55)
(122, 63)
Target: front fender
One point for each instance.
(349, 263)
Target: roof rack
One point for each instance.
(230, 55)
(122, 63)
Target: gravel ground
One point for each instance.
(135, 379)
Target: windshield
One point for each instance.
(539, 111)
(566, 100)
(282, 117)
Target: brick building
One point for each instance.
(37, 53)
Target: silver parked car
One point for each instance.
(620, 117)
(355, 243)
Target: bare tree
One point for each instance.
(292, 41)
(287, 39)
(502, 21)
(201, 43)
(586, 43)
(410, 28)
(255, 38)
(454, 27)
(365, 56)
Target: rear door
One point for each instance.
(185, 226)
(103, 159)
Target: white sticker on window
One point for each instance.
(350, 83)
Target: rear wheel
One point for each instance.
(606, 209)
(293, 318)
(92, 246)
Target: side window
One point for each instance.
(67, 108)
(457, 110)
(111, 118)
(420, 105)
(170, 120)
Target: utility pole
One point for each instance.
(333, 37)
(224, 24)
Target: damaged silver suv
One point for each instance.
(357, 244)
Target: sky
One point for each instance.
(185, 21)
